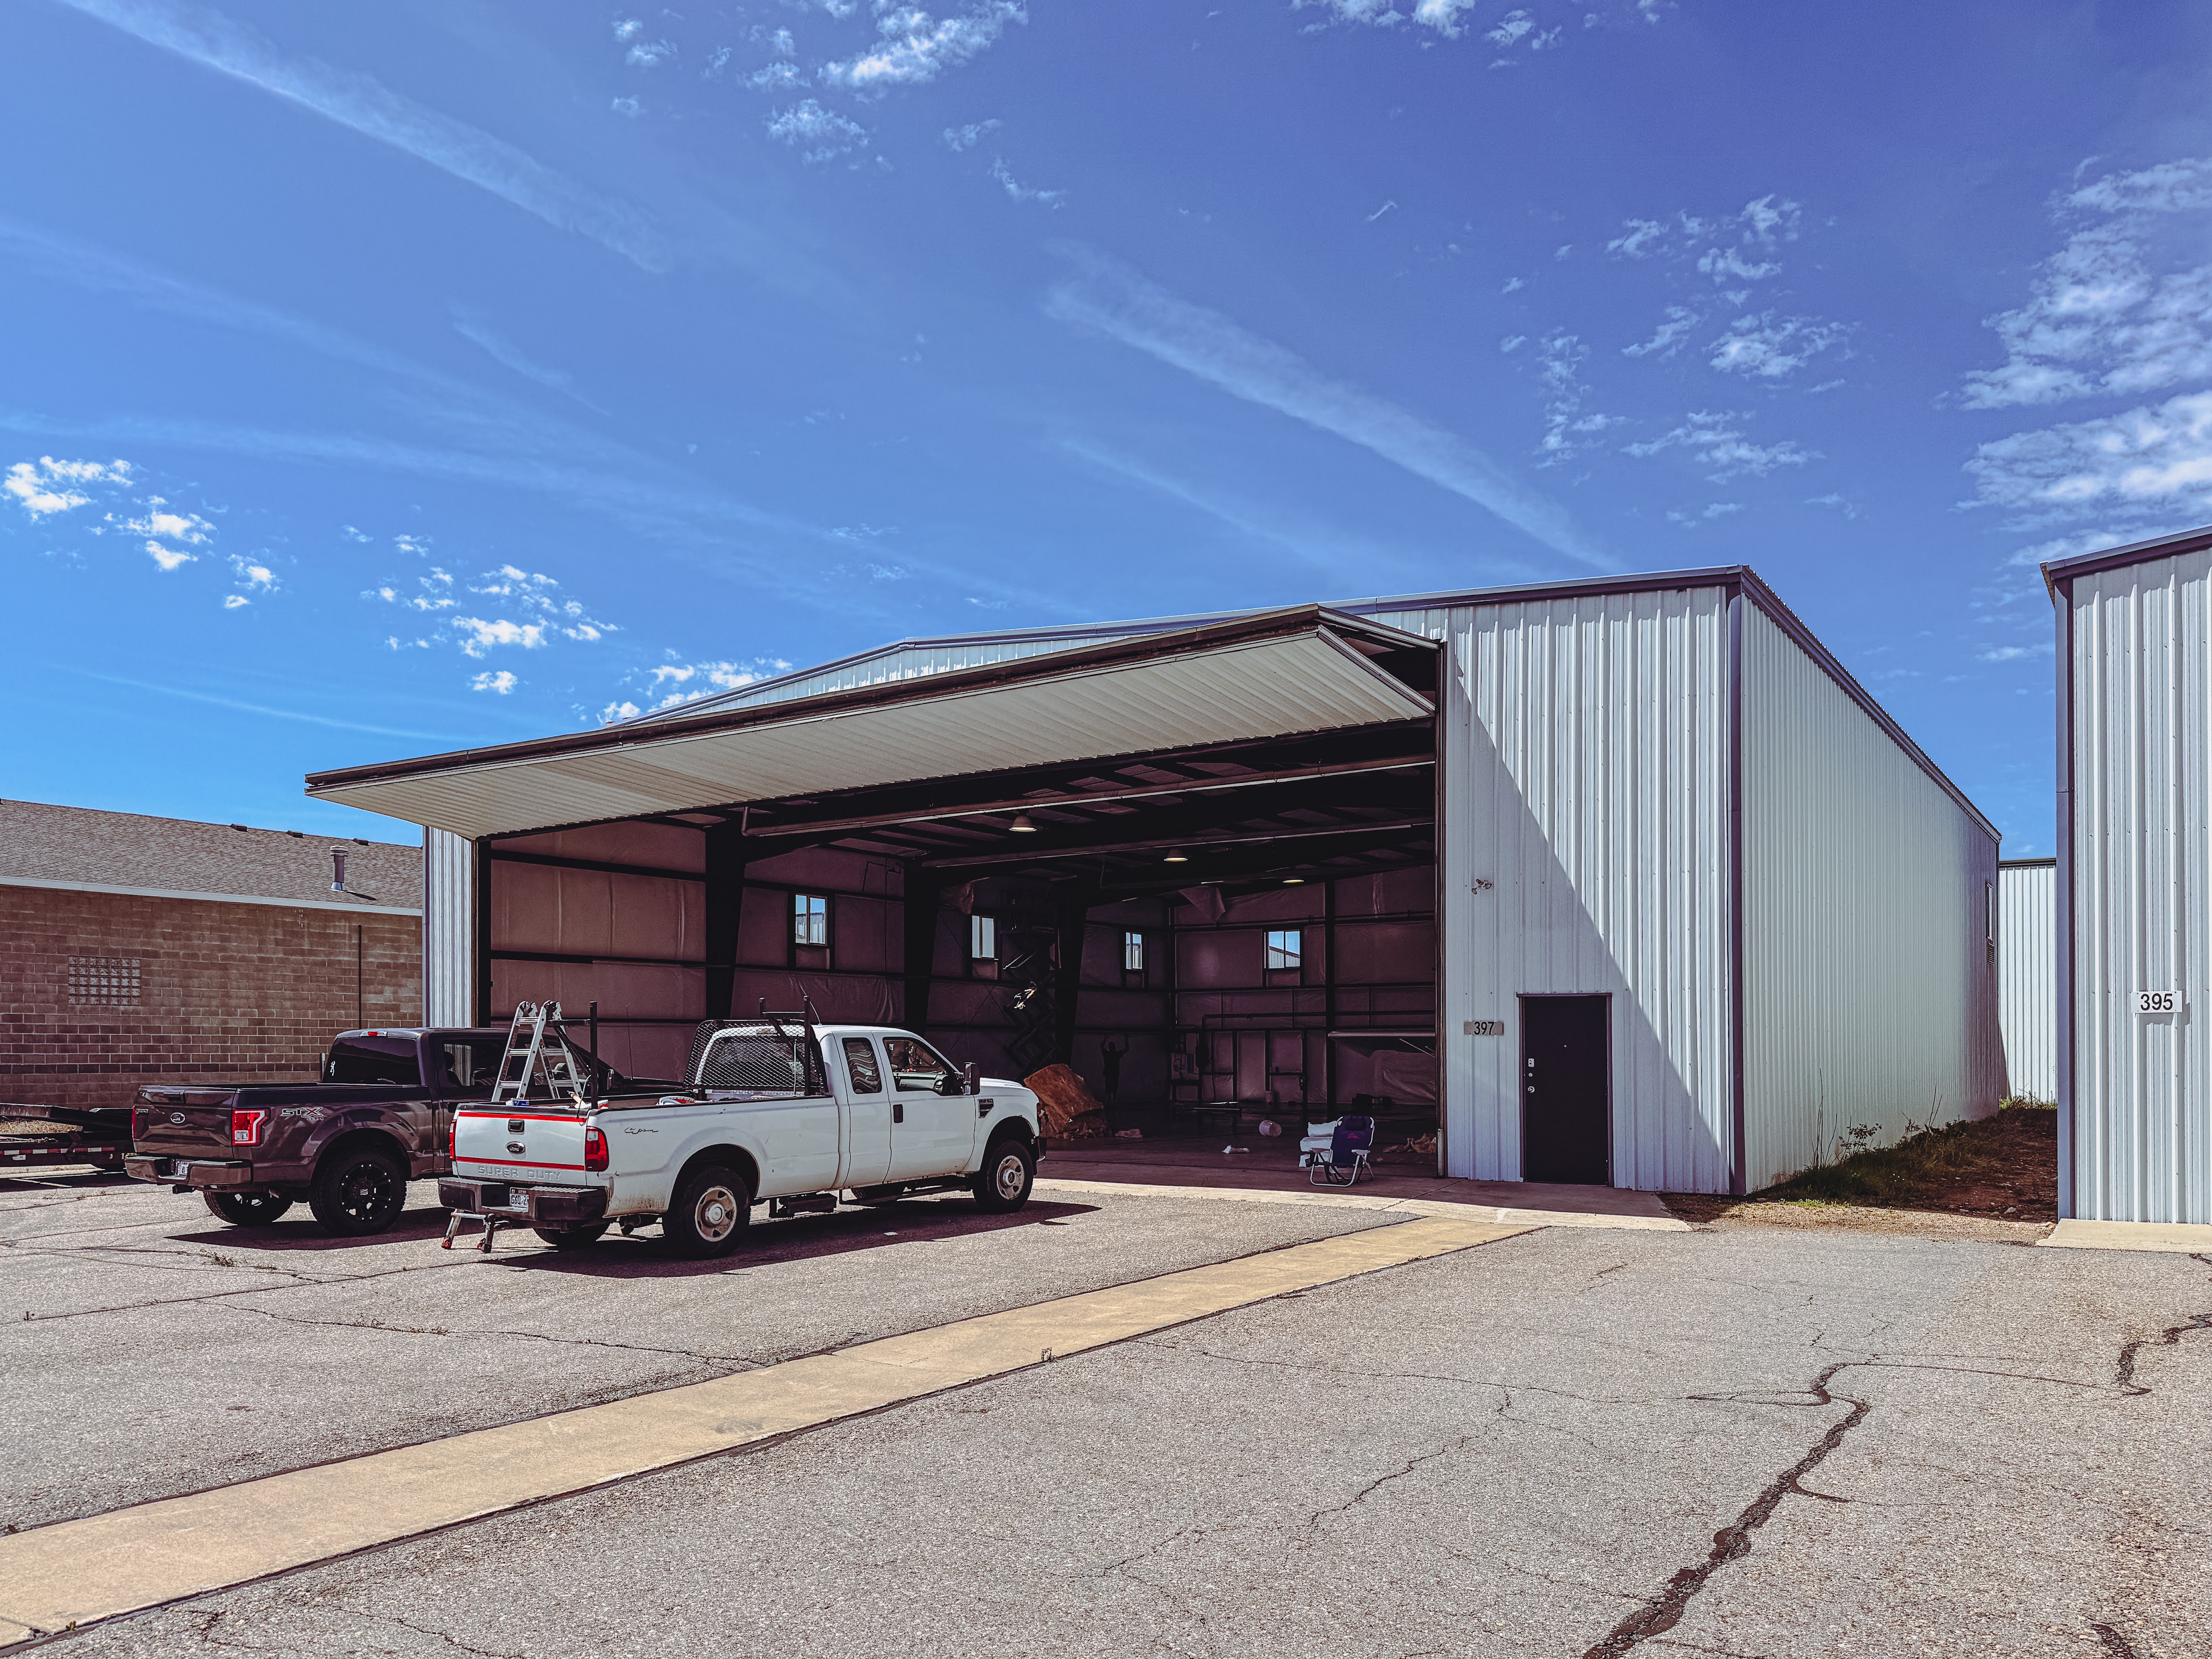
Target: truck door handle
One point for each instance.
(899, 1111)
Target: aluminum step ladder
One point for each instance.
(537, 1049)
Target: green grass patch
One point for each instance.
(1945, 1167)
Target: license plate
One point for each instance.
(180, 1168)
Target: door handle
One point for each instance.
(899, 1111)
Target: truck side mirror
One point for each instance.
(968, 1077)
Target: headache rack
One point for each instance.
(769, 1053)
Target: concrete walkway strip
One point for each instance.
(2182, 1238)
(1657, 1221)
(77, 1571)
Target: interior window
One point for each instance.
(1132, 953)
(983, 938)
(916, 1066)
(810, 919)
(860, 1061)
(1285, 950)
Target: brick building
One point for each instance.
(138, 948)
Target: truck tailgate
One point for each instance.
(178, 1119)
(527, 1140)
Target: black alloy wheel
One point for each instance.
(248, 1209)
(358, 1193)
(1009, 1171)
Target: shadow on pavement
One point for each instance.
(796, 1239)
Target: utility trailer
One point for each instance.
(66, 1136)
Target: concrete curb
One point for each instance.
(1421, 1206)
(2176, 1238)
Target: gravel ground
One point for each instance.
(1748, 1441)
(161, 1350)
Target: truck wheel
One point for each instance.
(1004, 1182)
(248, 1209)
(358, 1193)
(571, 1238)
(711, 1210)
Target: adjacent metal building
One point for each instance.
(2134, 912)
(2028, 976)
(1639, 848)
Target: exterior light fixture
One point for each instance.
(1176, 855)
(1021, 825)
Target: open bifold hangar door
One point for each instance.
(1279, 673)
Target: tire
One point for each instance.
(571, 1238)
(1009, 1171)
(358, 1192)
(709, 1213)
(248, 1209)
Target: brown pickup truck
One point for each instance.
(380, 1115)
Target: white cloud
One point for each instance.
(479, 636)
(1443, 15)
(351, 534)
(619, 711)
(1730, 248)
(504, 352)
(1119, 303)
(1512, 343)
(501, 681)
(2101, 318)
(46, 486)
(2014, 653)
(677, 684)
(2149, 460)
(1513, 285)
(235, 601)
(1014, 188)
(649, 54)
(369, 107)
(775, 78)
(1841, 504)
(2073, 546)
(917, 47)
(1771, 348)
(628, 28)
(252, 574)
(1668, 340)
(969, 136)
(169, 558)
(157, 519)
(816, 132)
(1567, 431)
(416, 544)
(784, 45)
(627, 107)
(1714, 439)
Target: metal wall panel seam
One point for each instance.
(1739, 1166)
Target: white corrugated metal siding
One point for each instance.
(1869, 979)
(449, 912)
(2027, 982)
(2140, 1093)
(1584, 753)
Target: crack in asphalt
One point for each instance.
(1380, 1481)
(1663, 1612)
(2123, 1377)
(446, 1636)
(243, 1289)
(740, 1360)
(2115, 1643)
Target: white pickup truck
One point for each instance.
(780, 1111)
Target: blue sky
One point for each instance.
(396, 378)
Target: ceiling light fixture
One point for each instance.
(1021, 825)
(1294, 881)
(1176, 855)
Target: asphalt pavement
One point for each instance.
(1569, 1442)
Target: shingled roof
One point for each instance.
(77, 848)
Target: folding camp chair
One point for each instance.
(1334, 1154)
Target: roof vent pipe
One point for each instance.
(337, 870)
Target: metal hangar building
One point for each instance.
(1624, 881)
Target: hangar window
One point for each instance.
(810, 919)
(1285, 951)
(983, 938)
(1132, 953)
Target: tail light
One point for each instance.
(595, 1148)
(454, 1139)
(245, 1128)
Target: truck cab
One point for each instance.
(778, 1110)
